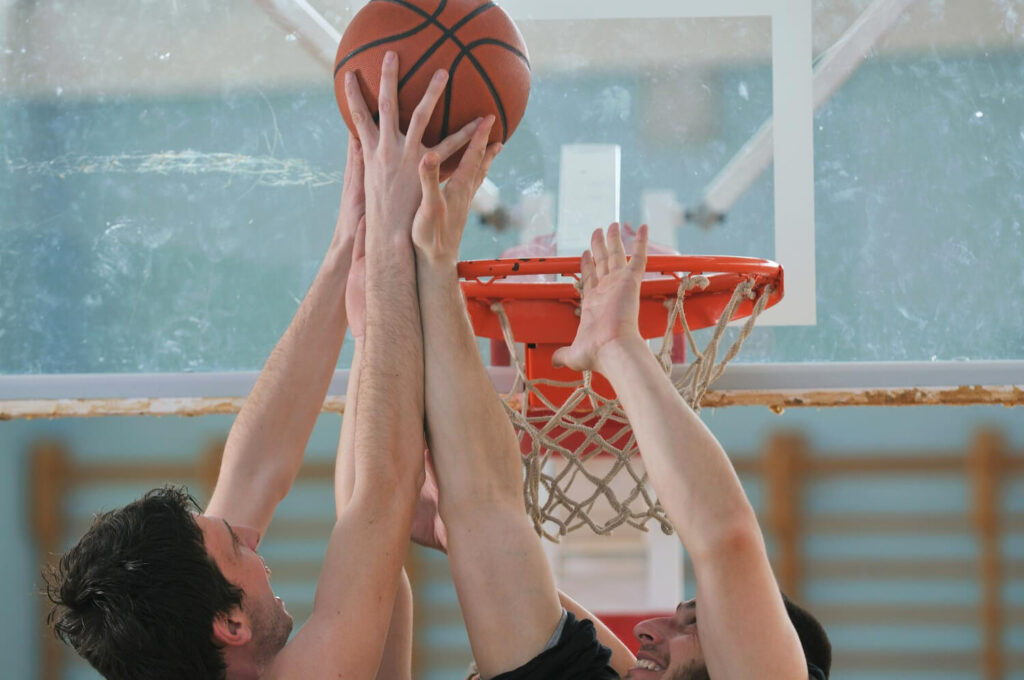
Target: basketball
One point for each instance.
(474, 40)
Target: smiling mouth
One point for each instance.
(647, 665)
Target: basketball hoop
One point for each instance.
(574, 417)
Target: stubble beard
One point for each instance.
(695, 671)
(271, 628)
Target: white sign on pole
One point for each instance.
(588, 194)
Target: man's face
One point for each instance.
(670, 647)
(233, 548)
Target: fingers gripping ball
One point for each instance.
(474, 40)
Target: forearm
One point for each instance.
(685, 464)
(356, 593)
(389, 430)
(268, 438)
(465, 417)
(396, 661)
(496, 558)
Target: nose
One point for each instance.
(649, 631)
(249, 537)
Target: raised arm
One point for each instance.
(396, 658)
(355, 596)
(268, 438)
(432, 533)
(505, 587)
(744, 629)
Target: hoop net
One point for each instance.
(580, 457)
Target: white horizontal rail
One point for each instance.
(870, 375)
(761, 377)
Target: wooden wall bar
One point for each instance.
(788, 470)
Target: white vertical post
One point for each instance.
(793, 151)
(588, 194)
(665, 571)
(536, 216)
(663, 215)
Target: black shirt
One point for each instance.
(577, 656)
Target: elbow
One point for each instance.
(736, 535)
(271, 483)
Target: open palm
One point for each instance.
(441, 217)
(611, 298)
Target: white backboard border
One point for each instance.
(793, 108)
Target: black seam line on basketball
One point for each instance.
(394, 38)
(378, 43)
(445, 118)
(468, 54)
(502, 44)
(446, 34)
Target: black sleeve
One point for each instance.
(815, 673)
(577, 656)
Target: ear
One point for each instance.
(232, 629)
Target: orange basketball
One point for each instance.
(474, 40)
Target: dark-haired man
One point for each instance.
(520, 627)
(157, 591)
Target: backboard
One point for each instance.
(167, 196)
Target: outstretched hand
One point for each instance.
(391, 158)
(611, 299)
(441, 217)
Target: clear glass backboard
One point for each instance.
(170, 174)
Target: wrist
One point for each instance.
(336, 265)
(620, 353)
(387, 217)
(435, 272)
(341, 247)
(394, 245)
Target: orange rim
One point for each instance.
(546, 312)
(490, 278)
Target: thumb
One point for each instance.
(562, 358)
(430, 181)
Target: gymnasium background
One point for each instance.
(910, 542)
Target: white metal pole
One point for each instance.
(298, 17)
(832, 70)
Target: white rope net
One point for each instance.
(580, 456)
